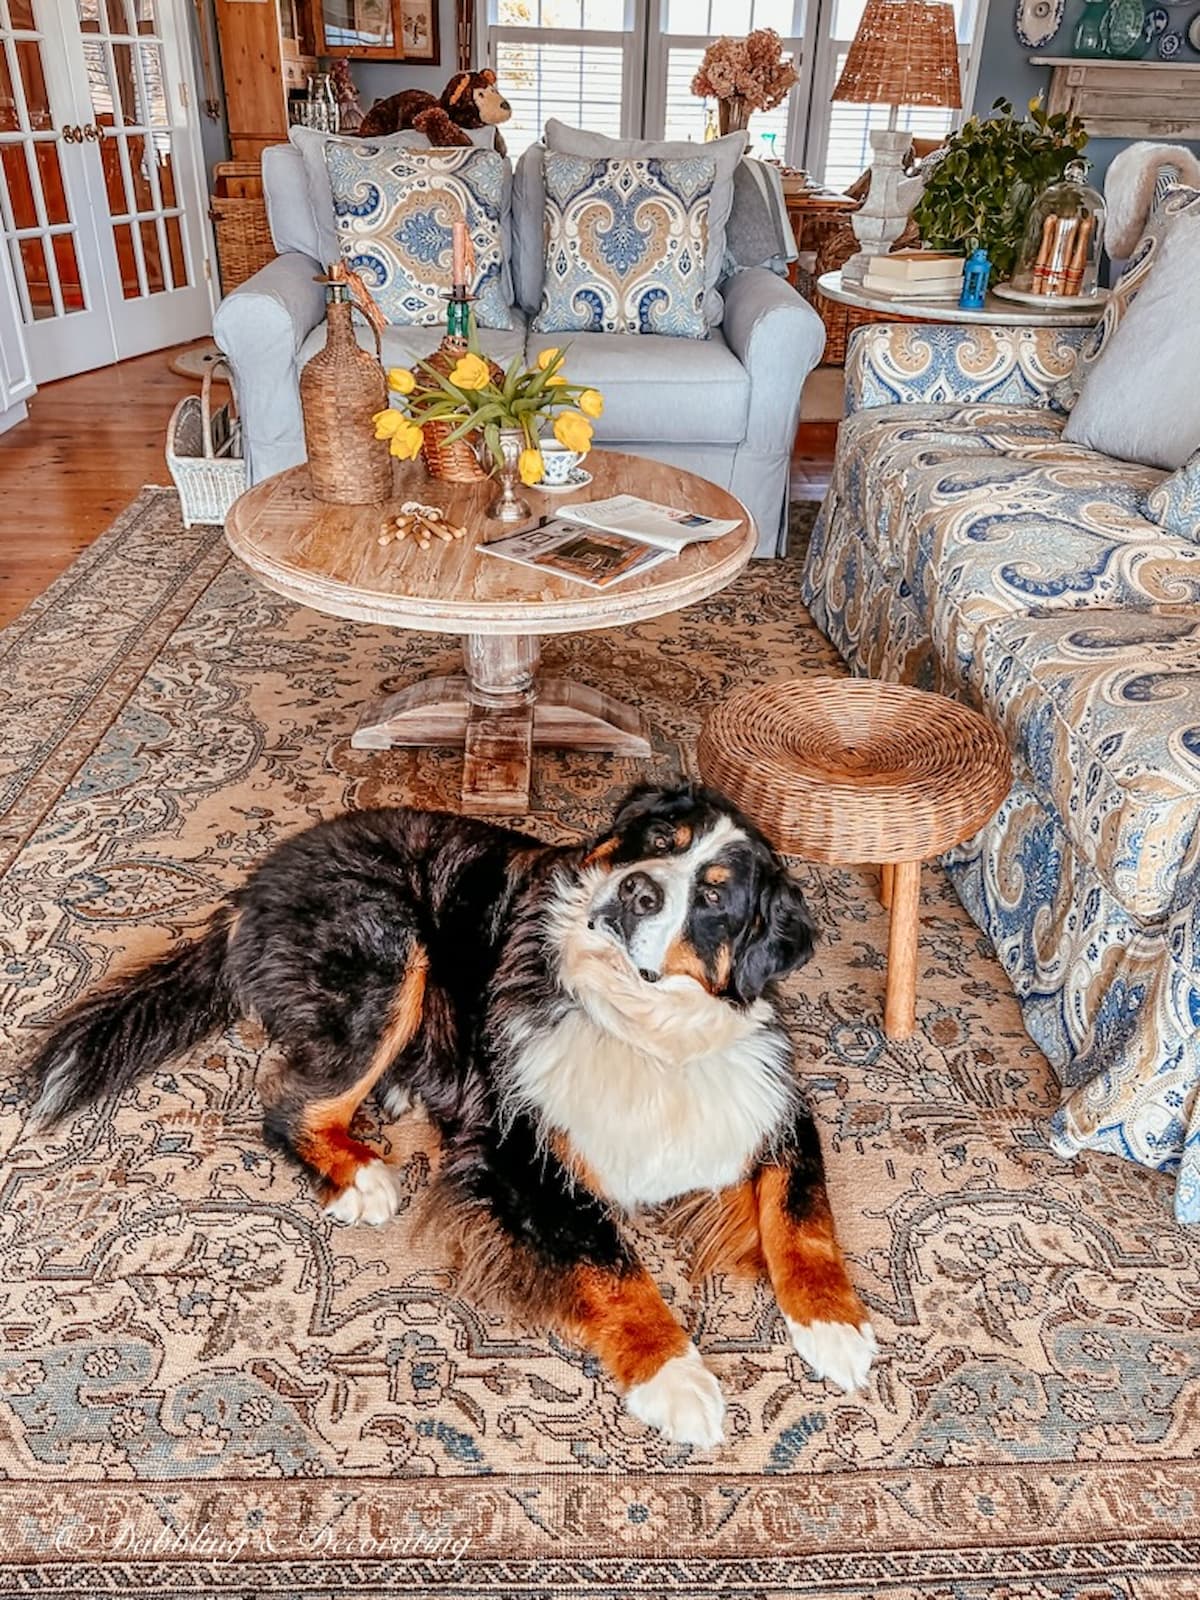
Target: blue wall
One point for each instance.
(1005, 69)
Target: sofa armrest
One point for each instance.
(899, 363)
(778, 338)
(261, 326)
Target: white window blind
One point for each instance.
(688, 27)
(625, 67)
(579, 83)
(561, 58)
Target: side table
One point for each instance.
(850, 770)
(996, 313)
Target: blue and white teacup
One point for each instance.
(558, 463)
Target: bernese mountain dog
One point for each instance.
(590, 1030)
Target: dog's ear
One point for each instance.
(641, 801)
(646, 798)
(780, 937)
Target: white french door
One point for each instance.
(102, 202)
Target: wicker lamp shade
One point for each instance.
(905, 53)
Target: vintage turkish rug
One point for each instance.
(206, 1389)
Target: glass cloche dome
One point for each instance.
(1060, 253)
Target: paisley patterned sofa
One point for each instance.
(964, 546)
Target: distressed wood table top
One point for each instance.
(329, 557)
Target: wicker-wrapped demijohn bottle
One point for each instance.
(341, 389)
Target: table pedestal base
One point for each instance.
(498, 710)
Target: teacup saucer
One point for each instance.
(579, 479)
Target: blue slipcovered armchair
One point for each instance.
(725, 407)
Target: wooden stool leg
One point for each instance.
(885, 884)
(900, 1007)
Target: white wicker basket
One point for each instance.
(204, 454)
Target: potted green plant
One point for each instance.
(979, 193)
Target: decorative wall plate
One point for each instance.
(1170, 45)
(1194, 32)
(1158, 20)
(1037, 21)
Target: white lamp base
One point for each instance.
(883, 216)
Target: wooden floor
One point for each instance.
(92, 442)
(89, 444)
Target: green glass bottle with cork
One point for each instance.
(456, 462)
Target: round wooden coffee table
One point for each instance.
(329, 559)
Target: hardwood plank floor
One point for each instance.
(91, 442)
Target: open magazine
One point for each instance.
(663, 526)
(569, 550)
(602, 542)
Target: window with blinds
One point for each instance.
(625, 67)
(569, 59)
(688, 27)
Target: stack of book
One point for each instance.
(916, 275)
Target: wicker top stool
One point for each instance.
(848, 771)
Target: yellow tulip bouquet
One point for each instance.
(522, 399)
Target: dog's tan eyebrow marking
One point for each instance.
(683, 836)
(716, 873)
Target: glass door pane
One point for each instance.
(43, 198)
(123, 61)
(129, 62)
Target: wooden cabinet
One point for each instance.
(266, 49)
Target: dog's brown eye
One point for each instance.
(711, 896)
(660, 842)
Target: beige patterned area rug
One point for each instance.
(207, 1389)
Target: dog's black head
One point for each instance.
(692, 887)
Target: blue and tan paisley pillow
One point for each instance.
(626, 243)
(1175, 504)
(395, 210)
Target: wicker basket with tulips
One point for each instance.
(474, 401)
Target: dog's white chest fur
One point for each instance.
(652, 1128)
(649, 1129)
(660, 1088)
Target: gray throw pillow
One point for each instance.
(724, 153)
(1140, 399)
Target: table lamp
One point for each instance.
(905, 53)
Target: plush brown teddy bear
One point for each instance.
(469, 100)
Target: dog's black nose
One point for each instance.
(640, 895)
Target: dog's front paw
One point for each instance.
(836, 1350)
(682, 1400)
(373, 1197)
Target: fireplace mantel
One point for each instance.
(1127, 99)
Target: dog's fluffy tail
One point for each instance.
(111, 1038)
